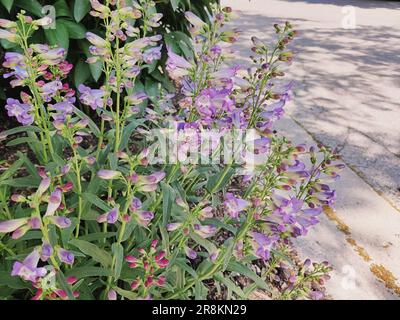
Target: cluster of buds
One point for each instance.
(152, 262)
(47, 290)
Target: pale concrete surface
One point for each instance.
(347, 96)
(348, 80)
(367, 220)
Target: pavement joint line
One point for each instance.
(380, 271)
(352, 168)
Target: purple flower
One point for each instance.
(52, 57)
(61, 222)
(7, 24)
(136, 98)
(54, 202)
(44, 185)
(92, 97)
(152, 54)
(20, 110)
(108, 174)
(195, 21)
(110, 217)
(28, 269)
(262, 245)
(234, 206)
(65, 107)
(177, 66)
(47, 251)
(136, 204)
(204, 231)
(143, 218)
(275, 111)
(34, 222)
(12, 225)
(173, 226)
(7, 35)
(316, 295)
(16, 62)
(65, 256)
(190, 253)
(96, 40)
(112, 295)
(148, 183)
(50, 89)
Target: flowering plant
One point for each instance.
(165, 194)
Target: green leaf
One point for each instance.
(206, 244)
(81, 73)
(126, 294)
(64, 285)
(96, 70)
(245, 271)
(95, 200)
(152, 89)
(93, 251)
(7, 44)
(127, 133)
(118, 252)
(81, 8)
(168, 200)
(62, 9)
(175, 4)
(13, 168)
(25, 182)
(220, 180)
(7, 4)
(200, 291)
(93, 127)
(75, 30)
(230, 285)
(32, 6)
(22, 140)
(85, 272)
(13, 282)
(58, 36)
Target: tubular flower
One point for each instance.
(12, 225)
(28, 269)
(109, 217)
(108, 174)
(21, 111)
(92, 97)
(262, 245)
(65, 256)
(234, 206)
(54, 202)
(177, 66)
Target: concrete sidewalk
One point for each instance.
(361, 238)
(348, 97)
(347, 80)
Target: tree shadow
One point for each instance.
(365, 4)
(347, 93)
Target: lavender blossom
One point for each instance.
(234, 206)
(28, 269)
(262, 245)
(12, 225)
(22, 111)
(65, 256)
(204, 231)
(54, 202)
(92, 97)
(108, 174)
